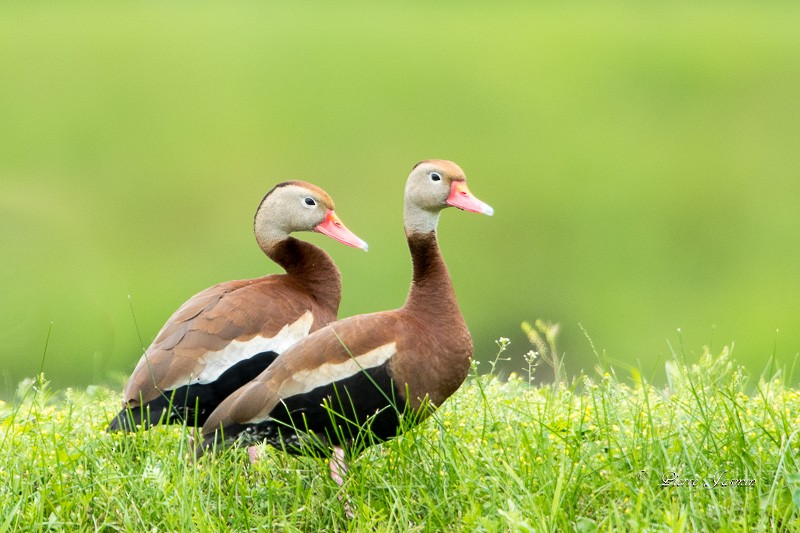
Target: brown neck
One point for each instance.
(309, 266)
(431, 294)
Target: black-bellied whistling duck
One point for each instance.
(226, 335)
(347, 384)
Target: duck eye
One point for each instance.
(435, 176)
(310, 202)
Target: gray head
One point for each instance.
(299, 206)
(432, 186)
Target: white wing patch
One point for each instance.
(218, 362)
(308, 380)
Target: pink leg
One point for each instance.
(338, 465)
(338, 473)
(252, 452)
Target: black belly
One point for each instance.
(356, 412)
(192, 403)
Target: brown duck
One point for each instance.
(226, 335)
(346, 385)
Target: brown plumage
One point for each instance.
(364, 371)
(225, 335)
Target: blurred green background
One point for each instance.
(643, 161)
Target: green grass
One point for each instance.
(502, 454)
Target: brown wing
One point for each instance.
(209, 322)
(332, 353)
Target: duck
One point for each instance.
(226, 335)
(360, 380)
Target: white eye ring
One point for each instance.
(435, 176)
(309, 202)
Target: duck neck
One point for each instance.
(309, 266)
(431, 294)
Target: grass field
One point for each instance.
(715, 450)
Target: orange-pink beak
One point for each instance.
(461, 198)
(333, 228)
